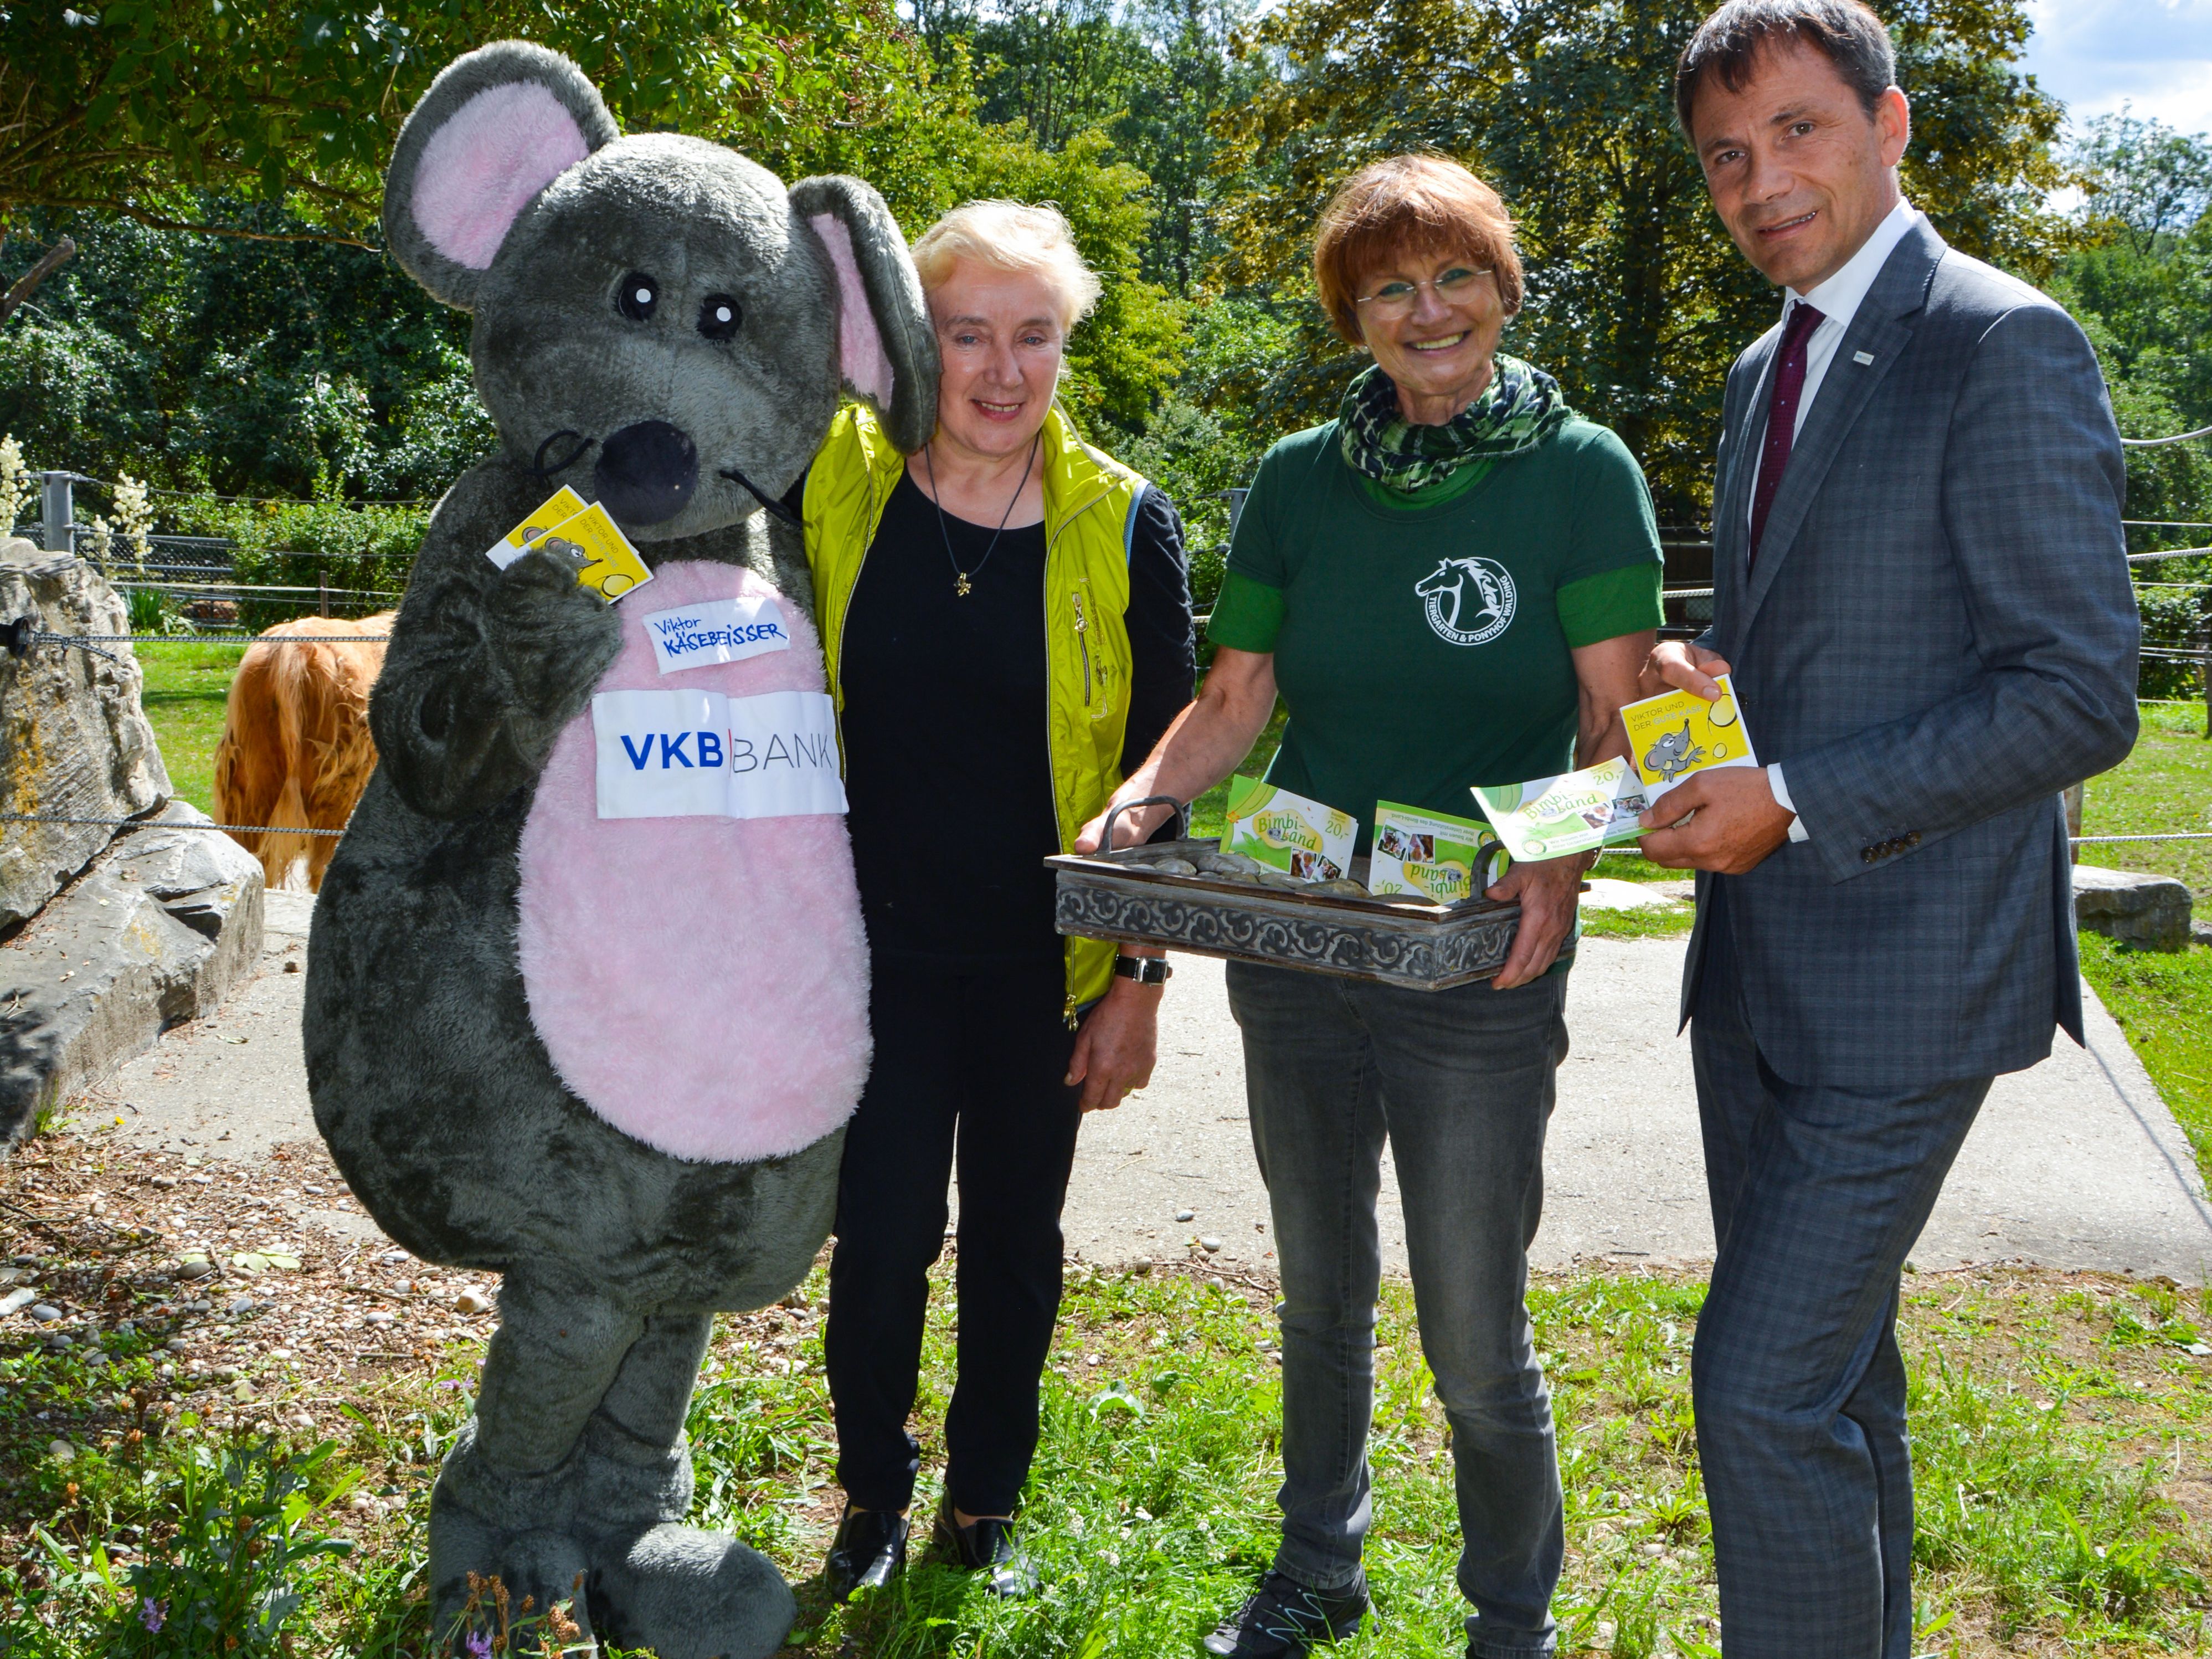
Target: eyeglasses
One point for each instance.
(1397, 299)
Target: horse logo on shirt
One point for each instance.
(1485, 615)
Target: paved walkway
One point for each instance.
(2076, 1163)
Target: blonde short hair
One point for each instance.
(1009, 236)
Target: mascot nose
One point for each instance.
(646, 472)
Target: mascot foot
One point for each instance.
(543, 1569)
(686, 1594)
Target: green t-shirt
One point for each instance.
(1422, 642)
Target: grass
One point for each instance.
(2164, 785)
(2163, 1002)
(187, 688)
(2060, 1446)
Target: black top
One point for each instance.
(947, 769)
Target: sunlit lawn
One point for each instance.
(2060, 1447)
(187, 687)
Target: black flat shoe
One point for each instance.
(988, 1547)
(869, 1549)
(1284, 1618)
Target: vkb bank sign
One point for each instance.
(694, 753)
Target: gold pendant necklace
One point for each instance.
(962, 587)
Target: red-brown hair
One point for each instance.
(1409, 204)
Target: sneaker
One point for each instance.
(869, 1550)
(1284, 1618)
(988, 1547)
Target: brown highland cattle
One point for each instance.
(295, 748)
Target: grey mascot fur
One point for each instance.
(609, 1059)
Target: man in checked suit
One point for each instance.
(1921, 588)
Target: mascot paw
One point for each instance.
(686, 1594)
(538, 1571)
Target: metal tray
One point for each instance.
(1426, 947)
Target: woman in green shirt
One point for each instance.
(1452, 583)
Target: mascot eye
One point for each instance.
(637, 297)
(718, 317)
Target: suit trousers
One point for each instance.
(1818, 1192)
(972, 1066)
(1461, 1083)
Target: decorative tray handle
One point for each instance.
(1106, 837)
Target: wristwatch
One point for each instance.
(1146, 971)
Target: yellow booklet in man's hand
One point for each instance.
(1678, 732)
(612, 567)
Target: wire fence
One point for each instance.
(301, 830)
(127, 824)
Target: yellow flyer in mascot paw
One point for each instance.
(611, 568)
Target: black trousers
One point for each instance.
(971, 1066)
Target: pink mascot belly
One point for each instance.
(701, 982)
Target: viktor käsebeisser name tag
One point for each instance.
(700, 754)
(720, 630)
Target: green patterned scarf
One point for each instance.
(1517, 410)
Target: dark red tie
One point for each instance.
(1782, 416)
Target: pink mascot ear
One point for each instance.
(496, 126)
(886, 349)
(489, 162)
(862, 362)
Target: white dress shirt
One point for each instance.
(1838, 300)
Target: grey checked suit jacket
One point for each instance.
(1939, 637)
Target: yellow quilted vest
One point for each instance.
(1090, 503)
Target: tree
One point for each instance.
(1125, 355)
(249, 364)
(1637, 300)
(145, 106)
(2143, 180)
(1152, 76)
(242, 365)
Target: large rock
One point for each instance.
(73, 742)
(2150, 913)
(153, 933)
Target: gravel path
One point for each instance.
(2075, 1163)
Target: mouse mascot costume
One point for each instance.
(587, 994)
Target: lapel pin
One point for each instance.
(1862, 356)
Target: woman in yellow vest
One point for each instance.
(1006, 618)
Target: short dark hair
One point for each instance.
(1727, 44)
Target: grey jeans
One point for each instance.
(1461, 1082)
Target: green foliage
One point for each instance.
(2143, 178)
(1201, 441)
(2173, 619)
(232, 1576)
(1637, 300)
(1153, 75)
(235, 1547)
(2047, 1410)
(362, 554)
(2142, 293)
(1125, 353)
(133, 108)
(2164, 786)
(247, 364)
(243, 367)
